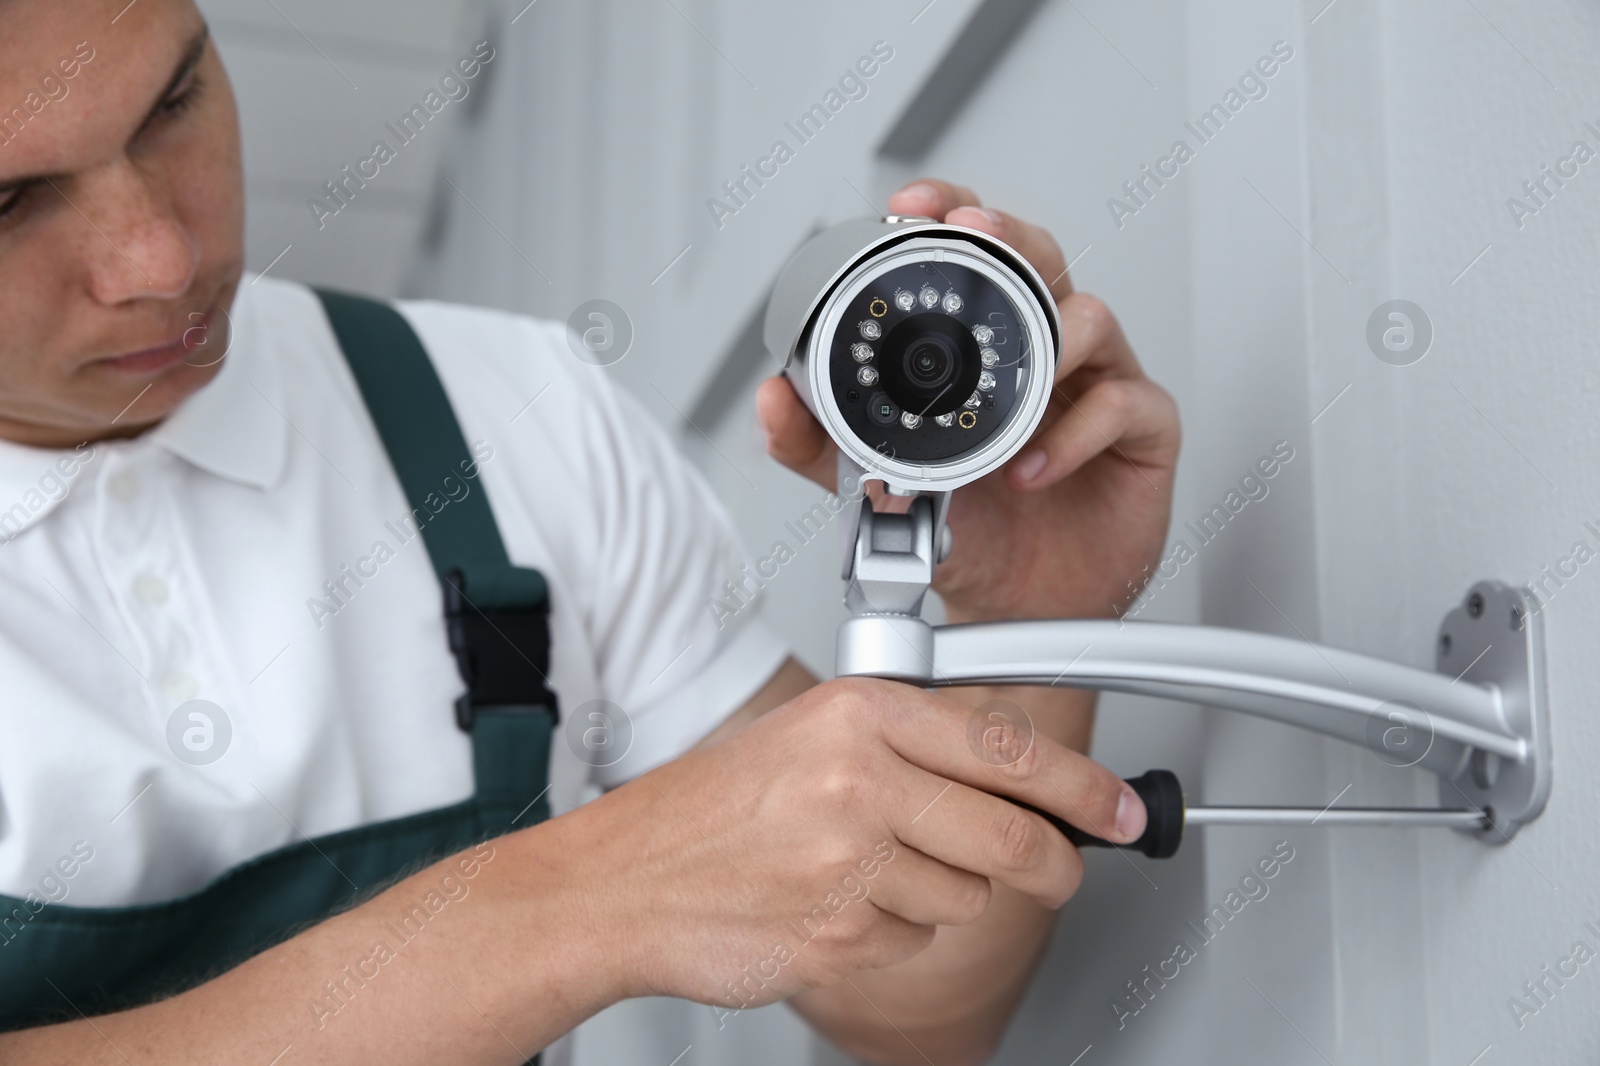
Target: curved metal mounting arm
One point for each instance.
(1479, 721)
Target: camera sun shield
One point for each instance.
(927, 351)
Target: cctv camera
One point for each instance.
(926, 350)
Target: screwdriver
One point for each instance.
(1167, 817)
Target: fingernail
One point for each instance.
(920, 189)
(1031, 464)
(1130, 815)
(994, 217)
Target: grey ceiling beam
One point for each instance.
(974, 52)
(744, 362)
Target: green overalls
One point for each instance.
(58, 963)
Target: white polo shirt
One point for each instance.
(139, 576)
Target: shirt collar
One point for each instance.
(232, 428)
(32, 482)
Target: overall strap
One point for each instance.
(497, 614)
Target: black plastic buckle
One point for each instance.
(503, 656)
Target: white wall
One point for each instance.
(1416, 122)
(1377, 167)
(1469, 464)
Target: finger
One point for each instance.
(891, 941)
(960, 206)
(925, 891)
(1035, 243)
(932, 198)
(980, 833)
(1134, 417)
(930, 732)
(1092, 340)
(794, 437)
(868, 938)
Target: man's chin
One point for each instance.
(142, 402)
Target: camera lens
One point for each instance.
(930, 364)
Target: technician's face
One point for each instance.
(121, 215)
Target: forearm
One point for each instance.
(958, 995)
(498, 971)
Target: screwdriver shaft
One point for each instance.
(1335, 816)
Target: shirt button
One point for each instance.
(125, 485)
(179, 686)
(150, 590)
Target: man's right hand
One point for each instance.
(831, 836)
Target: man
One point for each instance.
(227, 679)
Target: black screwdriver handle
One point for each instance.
(1163, 804)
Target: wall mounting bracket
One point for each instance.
(1479, 720)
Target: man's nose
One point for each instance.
(136, 245)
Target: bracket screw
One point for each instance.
(1444, 643)
(1475, 605)
(1485, 767)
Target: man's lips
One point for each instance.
(162, 356)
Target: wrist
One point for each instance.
(551, 923)
(591, 857)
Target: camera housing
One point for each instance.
(926, 350)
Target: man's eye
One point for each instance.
(9, 201)
(181, 98)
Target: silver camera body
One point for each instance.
(927, 351)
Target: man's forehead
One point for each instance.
(32, 32)
(67, 109)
